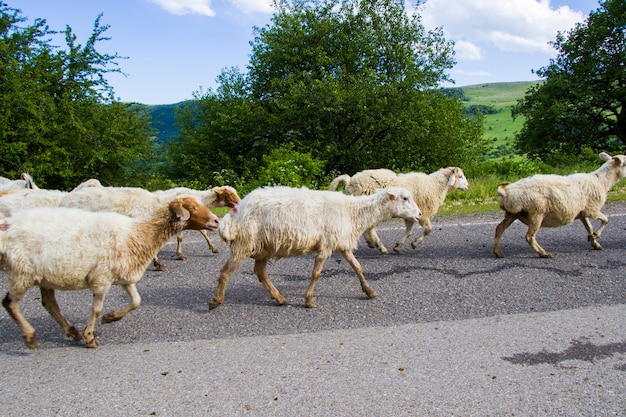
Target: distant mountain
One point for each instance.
(163, 120)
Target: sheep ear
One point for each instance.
(180, 212)
(392, 195)
(604, 156)
(451, 180)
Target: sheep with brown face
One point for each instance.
(60, 248)
(222, 196)
(137, 202)
(555, 200)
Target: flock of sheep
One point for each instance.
(94, 237)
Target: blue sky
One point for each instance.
(178, 47)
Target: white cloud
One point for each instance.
(182, 7)
(203, 7)
(509, 25)
(468, 50)
(253, 6)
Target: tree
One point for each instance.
(581, 102)
(351, 82)
(58, 118)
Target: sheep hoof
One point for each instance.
(397, 248)
(594, 243)
(181, 257)
(110, 317)
(546, 255)
(214, 304)
(92, 344)
(498, 254)
(215, 250)
(31, 342)
(310, 304)
(383, 250)
(281, 301)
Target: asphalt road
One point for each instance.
(453, 332)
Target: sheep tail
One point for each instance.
(503, 194)
(4, 226)
(342, 179)
(502, 189)
(227, 230)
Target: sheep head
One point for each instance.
(195, 215)
(226, 196)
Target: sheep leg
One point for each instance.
(531, 237)
(356, 266)
(214, 248)
(373, 241)
(260, 269)
(11, 304)
(229, 267)
(604, 220)
(369, 239)
(591, 236)
(509, 218)
(49, 302)
(427, 228)
(135, 302)
(96, 309)
(309, 298)
(179, 247)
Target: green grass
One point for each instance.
(500, 128)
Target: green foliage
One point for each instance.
(285, 166)
(475, 109)
(508, 169)
(58, 120)
(352, 82)
(581, 103)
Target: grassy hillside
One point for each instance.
(500, 127)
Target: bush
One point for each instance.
(508, 169)
(286, 166)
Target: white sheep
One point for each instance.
(14, 200)
(554, 200)
(136, 202)
(59, 248)
(429, 192)
(279, 222)
(25, 183)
